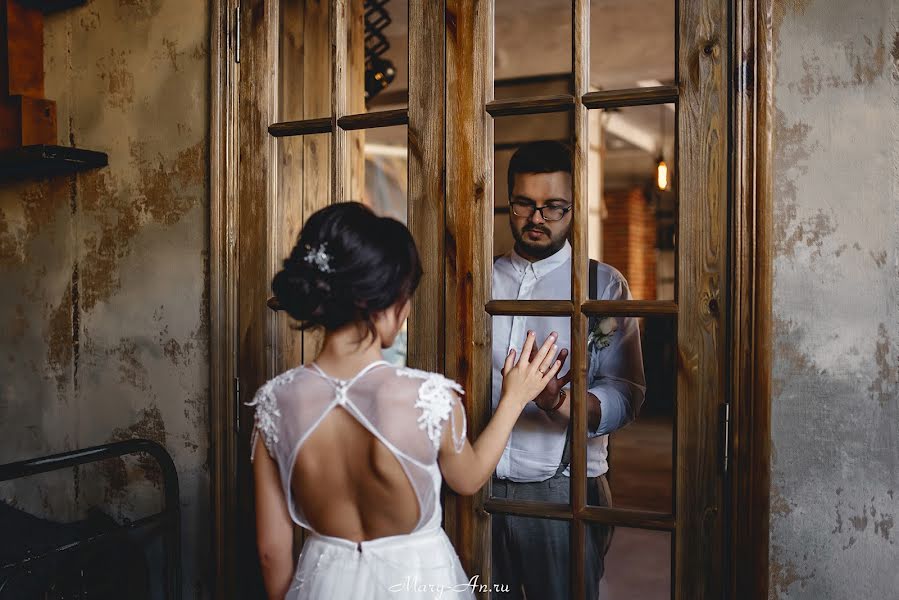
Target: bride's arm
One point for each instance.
(274, 528)
(467, 471)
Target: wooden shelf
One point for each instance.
(42, 161)
(50, 6)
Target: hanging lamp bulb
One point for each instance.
(662, 174)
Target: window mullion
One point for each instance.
(580, 65)
(339, 58)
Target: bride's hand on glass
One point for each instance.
(525, 379)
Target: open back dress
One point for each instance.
(407, 410)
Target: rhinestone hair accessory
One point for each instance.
(319, 257)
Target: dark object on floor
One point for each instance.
(95, 558)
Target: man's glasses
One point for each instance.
(550, 212)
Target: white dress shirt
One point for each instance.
(614, 374)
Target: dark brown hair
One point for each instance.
(544, 156)
(372, 264)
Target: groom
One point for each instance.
(531, 555)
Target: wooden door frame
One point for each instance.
(748, 325)
(223, 148)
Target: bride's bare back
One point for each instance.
(350, 484)
(357, 458)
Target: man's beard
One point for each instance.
(538, 251)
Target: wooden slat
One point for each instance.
(522, 508)
(468, 250)
(223, 217)
(304, 127)
(427, 159)
(372, 120)
(355, 100)
(701, 177)
(750, 315)
(340, 178)
(629, 308)
(530, 308)
(254, 365)
(640, 519)
(288, 172)
(530, 106)
(631, 97)
(580, 259)
(316, 148)
(623, 517)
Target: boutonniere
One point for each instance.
(602, 331)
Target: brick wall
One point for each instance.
(629, 240)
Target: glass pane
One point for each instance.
(378, 65)
(534, 451)
(304, 90)
(631, 403)
(533, 153)
(529, 555)
(631, 43)
(532, 38)
(385, 153)
(557, 84)
(637, 565)
(632, 214)
(379, 179)
(377, 58)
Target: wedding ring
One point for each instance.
(542, 372)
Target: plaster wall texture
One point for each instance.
(104, 295)
(835, 419)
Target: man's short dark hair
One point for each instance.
(544, 156)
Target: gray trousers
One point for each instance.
(530, 556)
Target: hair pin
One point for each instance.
(319, 257)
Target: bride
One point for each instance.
(352, 448)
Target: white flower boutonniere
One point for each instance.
(602, 330)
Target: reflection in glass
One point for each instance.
(530, 555)
(377, 57)
(631, 221)
(631, 43)
(386, 160)
(541, 144)
(304, 69)
(379, 65)
(638, 459)
(637, 566)
(378, 178)
(532, 37)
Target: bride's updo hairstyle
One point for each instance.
(347, 265)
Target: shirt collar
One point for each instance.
(541, 267)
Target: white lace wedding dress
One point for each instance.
(407, 410)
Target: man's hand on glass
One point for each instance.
(549, 398)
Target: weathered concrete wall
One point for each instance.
(103, 301)
(835, 487)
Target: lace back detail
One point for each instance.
(436, 400)
(268, 415)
